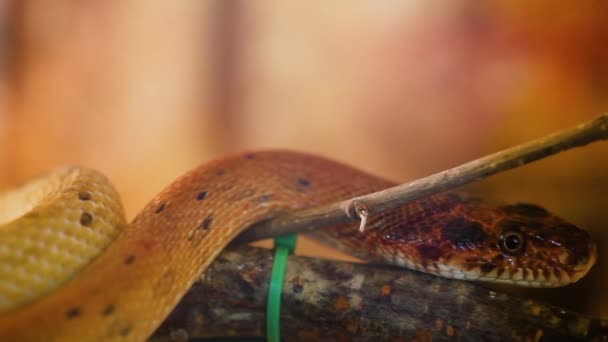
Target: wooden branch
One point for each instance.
(327, 301)
(342, 212)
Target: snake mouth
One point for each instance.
(520, 277)
(524, 277)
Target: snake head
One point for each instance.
(461, 237)
(529, 246)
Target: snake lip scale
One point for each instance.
(71, 268)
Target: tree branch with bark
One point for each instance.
(327, 300)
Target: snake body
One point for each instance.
(71, 269)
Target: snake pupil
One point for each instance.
(512, 243)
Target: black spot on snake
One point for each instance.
(526, 209)
(464, 233)
(84, 196)
(86, 219)
(160, 208)
(108, 310)
(304, 182)
(220, 172)
(249, 156)
(206, 224)
(73, 312)
(201, 195)
(129, 260)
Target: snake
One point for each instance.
(73, 269)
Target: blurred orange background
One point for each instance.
(145, 91)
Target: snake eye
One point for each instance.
(512, 243)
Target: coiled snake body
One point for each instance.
(72, 269)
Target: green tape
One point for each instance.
(284, 245)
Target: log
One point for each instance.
(330, 300)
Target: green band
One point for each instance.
(284, 245)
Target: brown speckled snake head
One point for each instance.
(455, 236)
(531, 239)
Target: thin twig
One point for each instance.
(345, 211)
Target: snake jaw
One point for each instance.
(519, 277)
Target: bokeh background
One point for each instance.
(144, 91)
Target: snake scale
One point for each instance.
(71, 269)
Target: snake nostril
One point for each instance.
(86, 219)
